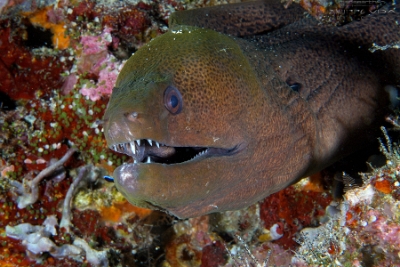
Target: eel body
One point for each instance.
(220, 116)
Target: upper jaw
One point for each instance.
(151, 151)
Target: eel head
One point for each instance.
(184, 109)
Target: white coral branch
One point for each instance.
(28, 190)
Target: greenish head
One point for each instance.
(186, 108)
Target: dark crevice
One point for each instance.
(6, 103)
(38, 37)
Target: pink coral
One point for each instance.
(96, 59)
(94, 51)
(388, 232)
(107, 78)
(96, 44)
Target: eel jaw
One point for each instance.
(149, 151)
(171, 179)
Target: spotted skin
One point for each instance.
(238, 95)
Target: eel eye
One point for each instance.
(173, 100)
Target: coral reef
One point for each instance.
(338, 12)
(37, 241)
(56, 211)
(58, 66)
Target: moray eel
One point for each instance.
(239, 101)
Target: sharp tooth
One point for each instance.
(157, 144)
(148, 160)
(133, 148)
(150, 142)
(138, 142)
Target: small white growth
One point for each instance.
(176, 31)
(372, 219)
(376, 47)
(95, 124)
(273, 232)
(107, 37)
(74, 69)
(50, 224)
(94, 257)
(344, 207)
(30, 118)
(41, 161)
(362, 194)
(346, 230)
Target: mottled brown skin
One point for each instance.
(236, 93)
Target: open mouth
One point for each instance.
(149, 151)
